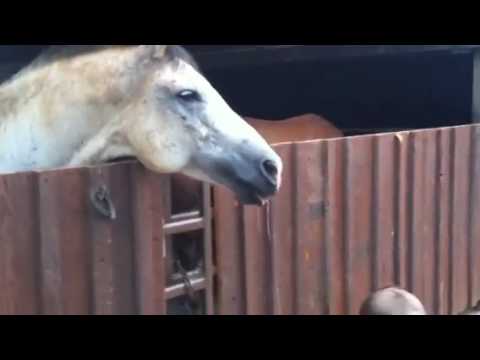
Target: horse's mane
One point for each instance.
(53, 53)
(58, 52)
(9, 101)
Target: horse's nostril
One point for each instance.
(270, 170)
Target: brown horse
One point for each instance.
(392, 301)
(187, 193)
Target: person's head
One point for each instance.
(392, 301)
(472, 311)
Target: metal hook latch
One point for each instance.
(186, 281)
(190, 291)
(102, 202)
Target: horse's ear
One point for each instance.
(177, 52)
(158, 51)
(147, 53)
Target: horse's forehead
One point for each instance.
(183, 74)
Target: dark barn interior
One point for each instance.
(396, 92)
(412, 90)
(415, 89)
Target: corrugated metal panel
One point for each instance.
(354, 215)
(59, 255)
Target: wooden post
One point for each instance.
(476, 87)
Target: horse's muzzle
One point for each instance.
(252, 182)
(254, 175)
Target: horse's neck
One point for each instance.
(26, 144)
(38, 130)
(48, 113)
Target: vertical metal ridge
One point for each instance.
(122, 234)
(101, 250)
(346, 231)
(36, 202)
(50, 252)
(243, 300)
(17, 246)
(451, 214)
(295, 233)
(470, 220)
(35, 205)
(227, 244)
(444, 210)
(410, 244)
(208, 249)
(374, 266)
(396, 210)
(336, 226)
(268, 248)
(460, 226)
(149, 241)
(430, 183)
(437, 224)
(474, 216)
(282, 239)
(73, 230)
(255, 259)
(384, 210)
(244, 262)
(326, 247)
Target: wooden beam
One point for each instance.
(232, 57)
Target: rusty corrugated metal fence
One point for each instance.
(356, 214)
(60, 255)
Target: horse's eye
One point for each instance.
(189, 96)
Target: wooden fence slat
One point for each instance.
(282, 228)
(461, 202)
(149, 241)
(50, 243)
(359, 222)
(74, 244)
(311, 208)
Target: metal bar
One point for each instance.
(178, 290)
(199, 282)
(184, 226)
(177, 278)
(186, 216)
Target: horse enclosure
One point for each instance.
(394, 202)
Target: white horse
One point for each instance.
(86, 105)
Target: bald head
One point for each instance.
(472, 311)
(392, 301)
